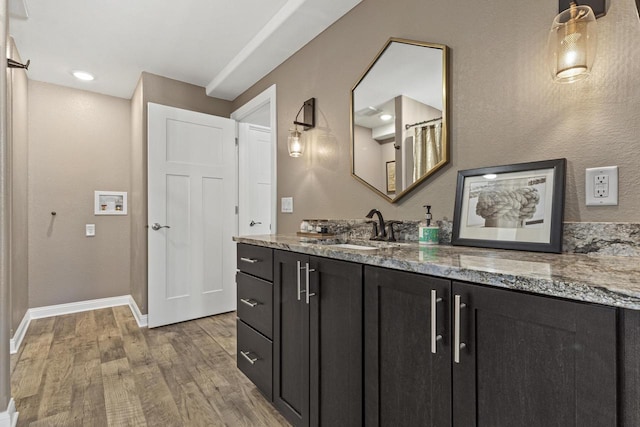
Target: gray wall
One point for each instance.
(165, 91)
(78, 143)
(5, 317)
(17, 139)
(504, 106)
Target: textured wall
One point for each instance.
(504, 106)
(78, 142)
(5, 317)
(137, 201)
(159, 90)
(17, 128)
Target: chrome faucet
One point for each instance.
(382, 230)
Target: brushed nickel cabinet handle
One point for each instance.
(299, 270)
(249, 302)
(434, 321)
(249, 260)
(457, 345)
(308, 270)
(251, 360)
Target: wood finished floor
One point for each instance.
(97, 368)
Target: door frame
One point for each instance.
(267, 97)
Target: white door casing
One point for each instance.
(192, 188)
(254, 179)
(266, 98)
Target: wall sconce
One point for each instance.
(295, 142)
(573, 40)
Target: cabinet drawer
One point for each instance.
(255, 260)
(255, 358)
(255, 303)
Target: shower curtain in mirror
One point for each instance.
(427, 149)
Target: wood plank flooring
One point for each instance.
(97, 368)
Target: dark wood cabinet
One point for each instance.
(338, 343)
(317, 340)
(291, 340)
(406, 384)
(524, 360)
(630, 356)
(528, 360)
(255, 316)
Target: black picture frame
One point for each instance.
(391, 176)
(522, 206)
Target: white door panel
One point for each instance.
(255, 192)
(192, 182)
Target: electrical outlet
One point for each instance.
(601, 186)
(90, 230)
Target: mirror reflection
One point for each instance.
(398, 116)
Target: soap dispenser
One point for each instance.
(427, 234)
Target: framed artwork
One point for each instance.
(391, 176)
(517, 206)
(110, 203)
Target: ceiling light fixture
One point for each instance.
(386, 117)
(573, 40)
(295, 142)
(83, 75)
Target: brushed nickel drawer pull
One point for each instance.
(249, 359)
(299, 270)
(249, 260)
(434, 320)
(249, 302)
(457, 345)
(309, 270)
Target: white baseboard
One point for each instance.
(9, 418)
(77, 307)
(18, 336)
(140, 318)
(73, 307)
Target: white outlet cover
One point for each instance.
(590, 186)
(286, 205)
(90, 230)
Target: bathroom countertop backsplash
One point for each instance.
(604, 238)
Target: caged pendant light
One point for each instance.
(572, 43)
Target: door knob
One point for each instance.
(252, 223)
(155, 226)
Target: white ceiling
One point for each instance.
(223, 45)
(402, 69)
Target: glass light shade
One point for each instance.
(572, 44)
(295, 143)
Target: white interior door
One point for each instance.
(255, 171)
(192, 184)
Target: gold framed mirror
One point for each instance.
(399, 132)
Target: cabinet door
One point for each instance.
(533, 361)
(336, 343)
(290, 339)
(406, 384)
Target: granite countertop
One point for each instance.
(608, 280)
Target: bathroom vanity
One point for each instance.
(409, 335)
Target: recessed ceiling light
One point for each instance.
(83, 75)
(490, 176)
(386, 117)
